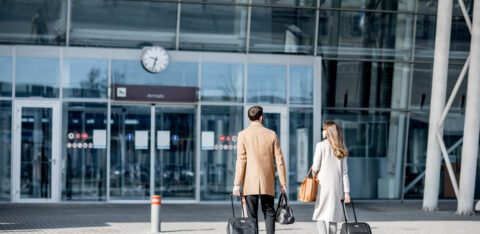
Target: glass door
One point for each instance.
(174, 176)
(275, 118)
(36, 155)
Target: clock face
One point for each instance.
(155, 59)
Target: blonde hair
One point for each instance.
(335, 137)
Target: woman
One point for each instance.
(330, 161)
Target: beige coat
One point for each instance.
(332, 183)
(257, 151)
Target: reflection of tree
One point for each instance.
(118, 77)
(227, 85)
(94, 83)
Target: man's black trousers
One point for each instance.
(267, 209)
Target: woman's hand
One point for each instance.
(347, 198)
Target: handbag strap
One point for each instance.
(281, 199)
(313, 175)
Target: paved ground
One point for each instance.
(385, 218)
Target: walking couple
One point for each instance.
(258, 150)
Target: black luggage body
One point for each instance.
(354, 228)
(241, 225)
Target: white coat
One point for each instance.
(333, 183)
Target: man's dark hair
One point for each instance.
(255, 112)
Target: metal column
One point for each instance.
(472, 122)
(437, 103)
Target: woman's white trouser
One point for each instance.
(323, 227)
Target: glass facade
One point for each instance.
(365, 64)
(5, 76)
(37, 77)
(5, 149)
(84, 172)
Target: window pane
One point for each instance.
(84, 177)
(175, 158)
(425, 38)
(130, 153)
(417, 149)
(37, 77)
(301, 147)
(213, 27)
(422, 86)
(5, 149)
(5, 76)
(267, 83)
(282, 30)
(428, 6)
(221, 1)
(287, 2)
(391, 5)
(365, 35)
(365, 84)
(123, 23)
(301, 85)
(177, 74)
(375, 142)
(222, 82)
(33, 22)
(85, 78)
(218, 164)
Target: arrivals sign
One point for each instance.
(154, 93)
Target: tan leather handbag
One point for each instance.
(308, 190)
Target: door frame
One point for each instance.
(284, 129)
(16, 152)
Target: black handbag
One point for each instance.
(284, 213)
(354, 228)
(241, 225)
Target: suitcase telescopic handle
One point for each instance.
(345, 211)
(233, 209)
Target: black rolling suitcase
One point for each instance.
(354, 228)
(241, 225)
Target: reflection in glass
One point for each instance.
(390, 5)
(222, 82)
(37, 77)
(36, 153)
(301, 85)
(425, 38)
(5, 148)
(131, 72)
(365, 84)
(85, 78)
(175, 152)
(267, 83)
(33, 22)
(375, 143)
(311, 3)
(123, 23)
(301, 148)
(422, 86)
(84, 177)
(417, 150)
(365, 35)
(218, 165)
(130, 153)
(5, 76)
(429, 6)
(282, 30)
(213, 27)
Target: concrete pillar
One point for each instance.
(472, 122)
(437, 103)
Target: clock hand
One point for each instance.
(154, 62)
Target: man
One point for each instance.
(257, 148)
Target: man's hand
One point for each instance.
(283, 188)
(347, 198)
(236, 190)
